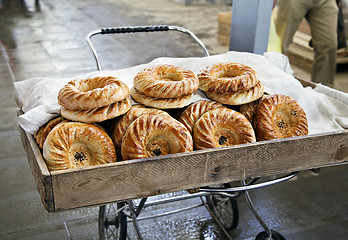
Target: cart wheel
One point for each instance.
(225, 209)
(112, 225)
(264, 235)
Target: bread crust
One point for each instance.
(41, 134)
(74, 145)
(222, 127)
(98, 114)
(238, 98)
(121, 124)
(280, 116)
(166, 81)
(160, 103)
(226, 78)
(151, 135)
(249, 109)
(90, 93)
(193, 112)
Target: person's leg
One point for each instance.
(323, 22)
(289, 16)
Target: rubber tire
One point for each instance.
(275, 235)
(120, 225)
(230, 203)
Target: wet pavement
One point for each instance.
(47, 39)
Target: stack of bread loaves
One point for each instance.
(230, 83)
(164, 86)
(149, 129)
(80, 142)
(94, 99)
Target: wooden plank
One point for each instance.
(306, 83)
(145, 177)
(39, 169)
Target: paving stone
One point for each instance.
(24, 213)
(11, 185)
(11, 145)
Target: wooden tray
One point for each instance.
(98, 185)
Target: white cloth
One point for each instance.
(326, 108)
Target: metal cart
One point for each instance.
(210, 171)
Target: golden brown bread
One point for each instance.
(238, 98)
(73, 145)
(166, 81)
(90, 93)
(41, 134)
(98, 114)
(38, 136)
(160, 103)
(152, 135)
(222, 127)
(121, 124)
(249, 109)
(279, 116)
(226, 78)
(193, 112)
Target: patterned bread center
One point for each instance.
(285, 119)
(79, 155)
(158, 146)
(225, 137)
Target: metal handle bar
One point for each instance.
(135, 29)
(250, 187)
(132, 29)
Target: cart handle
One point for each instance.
(134, 29)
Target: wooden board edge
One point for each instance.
(306, 83)
(39, 169)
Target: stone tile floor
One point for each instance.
(47, 38)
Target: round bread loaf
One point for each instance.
(193, 112)
(121, 124)
(90, 93)
(279, 116)
(151, 135)
(221, 127)
(160, 103)
(41, 134)
(226, 78)
(73, 145)
(98, 114)
(238, 98)
(166, 81)
(38, 136)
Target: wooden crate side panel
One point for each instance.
(145, 177)
(40, 172)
